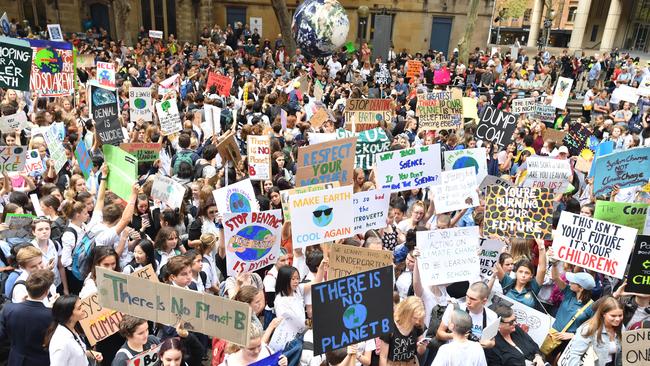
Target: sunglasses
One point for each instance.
(512, 322)
(238, 204)
(327, 212)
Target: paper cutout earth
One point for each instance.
(354, 316)
(320, 27)
(48, 61)
(257, 233)
(239, 203)
(466, 162)
(139, 103)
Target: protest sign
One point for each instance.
(228, 148)
(562, 92)
(83, 158)
(413, 69)
(577, 138)
(9, 124)
(259, 157)
(55, 147)
(170, 119)
(466, 158)
(162, 303)
(146, 272)
(52, 68)
(271, 360)
(593, 244)
(365, 114)
(543, 172)
(544, 113)
(496, 126)
(370, 210)
(625, 93)
(555, 135)
(327, 162)
(491, 180)
(382, 76)
(146, 358)
(603, 148)
(623, 213)
(352, 309)
(638, 276)
(34, 163)
(106, 74)
(252, 240)
(627, 168)
(105, 111)
(86, 61)
(644, 86)
(636, 345)
(523, 105)
(168, 191)
(284, 195)
(317, 119)
(16, 57)
(12, 158)
(489, 255)
(325, 216)
(156, 34)
(369, 144)
(222, 83)
(140, 104)
(38, 210)
(440, 110)
(18, 228)
(98, 322)
(538, 323)
(456, 190)
(143, 151)
(345, 260)
(518, 212)
(291, 310)
(448, 255)
(318, 138)
(212, 124)
(236, 198)
(470, 109)
(5, 26)
(410, 168)
(55, 32)
(123, 168)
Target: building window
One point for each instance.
(572, 14)
(34, 12)
(594, 33)
(527, 15)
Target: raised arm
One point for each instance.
(541, 265)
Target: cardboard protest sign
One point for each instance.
(352, 309)
(146, 358)
(170, 119)
(140, 104)
(105, 111)
(9, 124)
(562, 92)
(146, 272)
(491, 180)
(365, 114)
(236, 198)
(34, 163)
(99, 322)
(626, 168)
(413, 69)
(593, 244)
(143, 151)
(489, 256)
(543, 172)
(123, 168)
(156, 34)
(106, 74)
(577, 138)
(440, 110)
(85, 61)
(212, 124)
(518, 212)
(12, 158)
(162, 303)
(222, 83)
(228, 148)
(410, 168)
(82, 155)
(475, 158)
(638, 276)
(635, 344)
(252, 240)
(555, 135)
(168, 191)
(544, 113)
(369, 144)
(55, 148)
(327, 162)
(448, 255)
(16, 57)
(259, 157)
(325, 216)
(523, 105)
(284, 195)
(470, 109)
(456, 190)
(538, 323)
(496, 126)
(346, 260)
(623, 213)
(52, 68)
(370, 210)
(19, 228)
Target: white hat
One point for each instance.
(563, 149)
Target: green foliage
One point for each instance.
(513, 8)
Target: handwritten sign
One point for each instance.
(518, 212)
(105, 112)
(523, 105)
(635, 345)
(124, 170)
(413, 69)
(9, 124)
(441, 110)
(168, 191)
(106, 73)
(627, 168)
(369, 144)
(143, 151)
(140, 104)
(259, 157)
(475, 158)
(34, 163)
(489, 255)
(222, 83)
(170, 119)
(55, 148)
(370, 210)
(16, 56)
(326, 162)
(156, 34)
(491, 180)
(346, 260)
(538, 323)
(623, 213)
(284, 195)
(146, 358)
(409, 168)
(12, 158)
(577, 138)
(98, 322)
(550, 173)
(562, 92)
(638, 276)
(52, 68)
(456, 190)
(496, 126)
(146, 272)
(448, 255)
(365, 114)
(236, 198)
(83, 158)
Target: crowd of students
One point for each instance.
(440, 325)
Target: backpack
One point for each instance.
(198, 169)
(436, 318)
(183, 156)
(81, 255)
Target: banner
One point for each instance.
(352, 309)
(140, 104)
(252, 240)
(9, 124)
(365, 114)
(448, 255)
(326, 162)
(544, 113)
(98, 322)
(35, 164)
(146, 358)
(636, 344)
(284, 195)
(325, 216)
(627, 168)
(170, 119)
(489, 255)
(83, 158)
(496, 126)
(465, 158)
(523, 105)
(413, 69)
(518, 212)
(627, 214)
(369, 144)
(543, 172)
(123, 171)
(106, 74)
(16, 58)
(168, 191)
(411, 168)
(52, 68)
(440, 110)
(259, 157)
(222, 83)
(12, 158)
(162, 303)
(537, 322)
(593, 244)
(236, 198)
(347, 260)
(106, 112)
(577, 138)
(638, 275)
(143, 151)
(562, 92)
(370, 210)
(456, 190)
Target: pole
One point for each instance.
(494, 7)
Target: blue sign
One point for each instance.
(627, 168)
(604, 148)
(272, 360)
(83, 158)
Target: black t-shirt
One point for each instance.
(401, 347)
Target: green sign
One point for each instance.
(122, 170)
(628, 214)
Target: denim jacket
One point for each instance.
(579, 345)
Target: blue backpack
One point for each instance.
(81, 255)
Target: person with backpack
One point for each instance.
(77, 215)
(184, 155)
(41, 228)
(138, 340)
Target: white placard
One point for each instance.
(491, 330)
(155, 34)
(212, 124)
(410, 168)
(465, 158)
(168, 191)
(259, 157)
(543, 172)
(538, 323)
(489, 255)
(37, 205)
(55, 32)
(370, 210)
(34, 163)
(170, 119)
(449, 255)
(256, 23)
(292, 311)
(140, 104)
(523, 105)
(317, 138)
(237, 197)
(644, 86)
(562, 92)
(9, 124)
(626, 93)
(457, 190)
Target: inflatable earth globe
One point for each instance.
(320, 27)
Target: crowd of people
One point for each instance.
(437, 325)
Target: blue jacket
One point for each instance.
(25, 324)
(578, 346)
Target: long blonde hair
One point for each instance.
(407, 309)
(597, 322)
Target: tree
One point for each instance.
(123, 8)
(463, 47)
(513, 8)
(282, 14)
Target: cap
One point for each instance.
(581, 279)
(563, 150)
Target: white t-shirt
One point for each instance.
(465, 353)
(477, 319)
